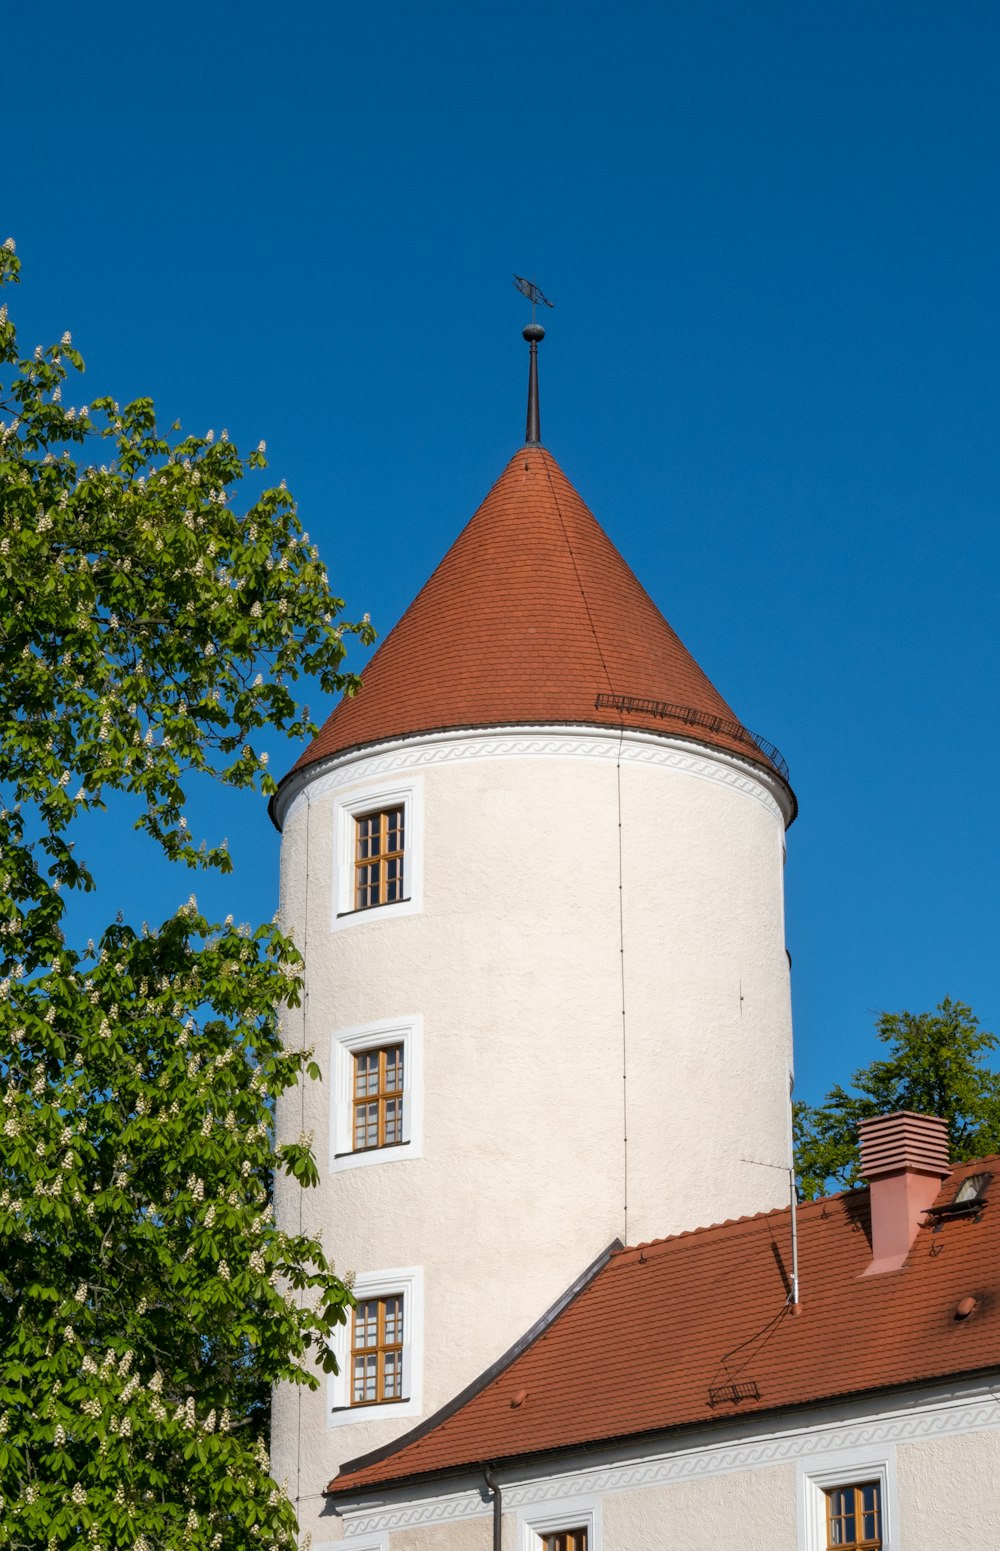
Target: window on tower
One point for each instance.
(377, 1350)
(379, 845)
(378, 834)
(378, 1097)
(377, 1104)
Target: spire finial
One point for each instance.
(532, 332)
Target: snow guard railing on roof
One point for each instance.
(684, 713)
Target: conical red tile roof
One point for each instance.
(531, 616)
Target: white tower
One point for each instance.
(535, 868)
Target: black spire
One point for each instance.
(533, 332)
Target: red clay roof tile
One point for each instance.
(642, 1345)
(530, 616)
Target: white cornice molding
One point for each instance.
(915, 1422)
(686, 756)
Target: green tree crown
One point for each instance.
(147, 1300)
(935, 1066)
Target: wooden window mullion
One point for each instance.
(849, 1502)
(375, 1311)
(379, 857)
(381, 1099)
(565, 1540)
(371, 1101)
(380, 1348)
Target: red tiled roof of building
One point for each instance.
(531, 615)
(640, 1348)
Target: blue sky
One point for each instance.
(771, 232)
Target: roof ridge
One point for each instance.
(708, 1227)
(803, 1207)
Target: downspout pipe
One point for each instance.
(493, 1486)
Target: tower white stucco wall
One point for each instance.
(537, 912)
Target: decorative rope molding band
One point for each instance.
(549, 742)
(666, 711)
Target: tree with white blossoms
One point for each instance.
(147, 1300)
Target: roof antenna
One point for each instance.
(532, 332)
(793, 1301)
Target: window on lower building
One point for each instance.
(378, 858)
(378, 1097)
(377, 1350)
(854, 1517)
(575, 1525)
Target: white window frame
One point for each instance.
(347, 810)
(409, 1282)
(845, 1467)
(570, 1513)
(347, 1043)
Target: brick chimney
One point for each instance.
(904, 1158)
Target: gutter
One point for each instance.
(493, 1486)
(550, 1459)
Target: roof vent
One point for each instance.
(969, 1201)
(972, 1189)
(904, 1157)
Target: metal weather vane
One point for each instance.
(529, 289)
